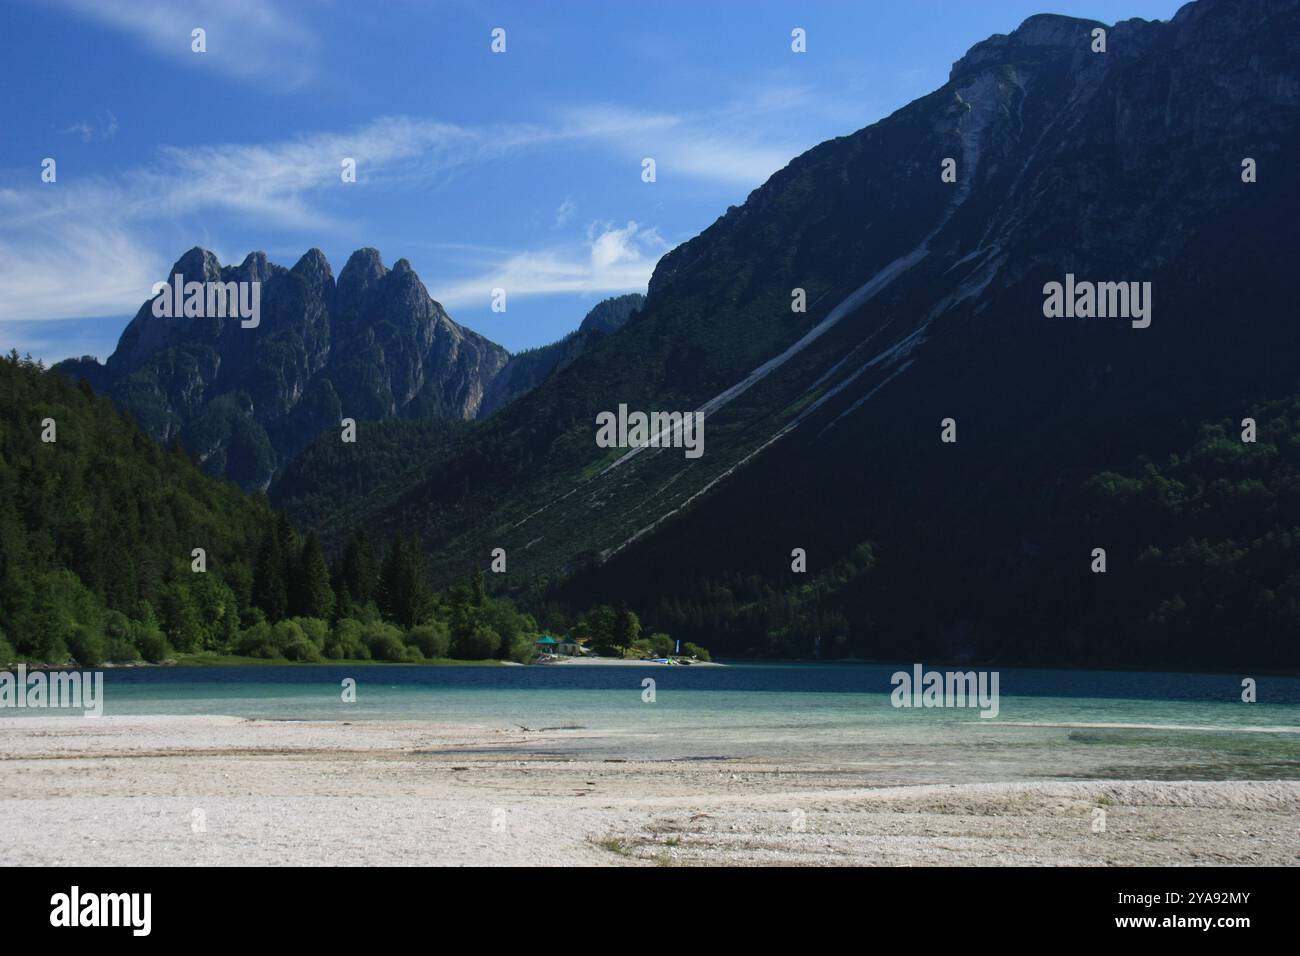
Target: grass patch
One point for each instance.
(616, 846)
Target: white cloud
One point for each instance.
(101, 127)
(78, 270)
(565, 212)
(612, 248)
(613, 259)
(247, 39)
(273, 181)
(92, 246)
(724, 145)
(83, 247)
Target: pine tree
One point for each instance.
(357, 570)
(269, 591)
(310, 594)
(403, 593)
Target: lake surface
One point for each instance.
(1051, 723)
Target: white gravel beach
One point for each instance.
(223, 790)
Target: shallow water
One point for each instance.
(1050, 722)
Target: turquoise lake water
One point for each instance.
(1050, 722)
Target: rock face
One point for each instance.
(925, 300)
(371, 346)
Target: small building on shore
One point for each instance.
(567, 646)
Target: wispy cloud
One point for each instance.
(78, 270)
(612, 259)
(565, 212)
(247, 39)
(101, 127)
(92, 246)
(96, 253)
(723, 145)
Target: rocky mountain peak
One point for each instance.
(364, 267)
(1039, 35)
(314, 267)
(197, 265)
(255, 267)
(246, 399)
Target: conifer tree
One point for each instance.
(357, 570)
(269, 591)
(310, 594)
(403, 593)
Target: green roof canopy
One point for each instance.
(547, 640)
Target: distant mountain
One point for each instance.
(926, 301)
(526, 370)
(372, 345)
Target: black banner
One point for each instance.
(139, 906)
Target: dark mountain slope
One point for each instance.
(982, 548)
(925, 301)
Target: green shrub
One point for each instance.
(367, 613)
(384, 642)
(64, 606)
(86, 646)
(661, 645)
(118, 646)
(480, 644)
(345, 641)
(292, 643)
(150, 641)
(694, 650)
(432, 639)
(523, 648)
(257, 641)
(317, 630)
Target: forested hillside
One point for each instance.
(114, 549)
(1202, 565)
(98, 526)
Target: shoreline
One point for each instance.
(237, 661)
(231, 660)
(226, 790)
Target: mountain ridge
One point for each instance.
(371, 345)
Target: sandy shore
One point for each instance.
(221, 790)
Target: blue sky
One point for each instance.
(519, 170)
